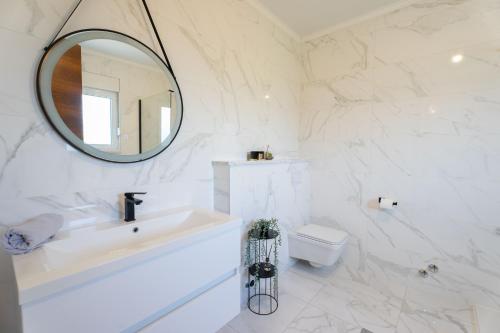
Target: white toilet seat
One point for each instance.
(319, 245)
(322, 234)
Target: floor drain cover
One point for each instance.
(364, 330)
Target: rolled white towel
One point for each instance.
(32, 234)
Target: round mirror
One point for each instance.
(109, 95)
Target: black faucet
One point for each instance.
(130, 203)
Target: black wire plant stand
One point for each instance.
(262, 272)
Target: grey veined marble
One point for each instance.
(378, 108)
(388, 112)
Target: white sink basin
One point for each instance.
(115, 239)
(80, 255)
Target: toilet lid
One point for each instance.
(322, 234)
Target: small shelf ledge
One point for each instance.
(263, 162)
(266, 270)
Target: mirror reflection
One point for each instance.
(113, 96)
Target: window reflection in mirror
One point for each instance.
(166, 114)
(100, 118)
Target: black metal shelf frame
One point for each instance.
(263, 274)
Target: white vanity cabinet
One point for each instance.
(182, 281)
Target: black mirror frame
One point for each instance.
(46, 113)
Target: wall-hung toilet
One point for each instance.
(319, 245)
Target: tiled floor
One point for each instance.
(328, 301)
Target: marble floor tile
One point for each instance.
(431, 308)
(227, 329)
(328, 301)
(313, 319)
(248, 322)
(386, 277)
(299, 286)
(429, 322)
(358, 303)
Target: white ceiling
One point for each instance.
(306, 17)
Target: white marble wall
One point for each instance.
(227, 57)
(271, 189)
(386, 113)
(264, 189)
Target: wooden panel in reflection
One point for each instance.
(67, 89)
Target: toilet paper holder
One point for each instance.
(394, 203)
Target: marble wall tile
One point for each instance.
(36, 18)
(433, 27)
(411, 125)
(263, 190)
(275, 189)
(227, 57)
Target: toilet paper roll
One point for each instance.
(387, 203)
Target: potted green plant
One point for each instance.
(264, 238)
